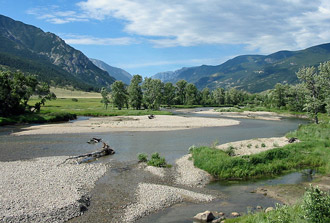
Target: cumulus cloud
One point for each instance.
(261, 25)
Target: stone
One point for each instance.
(235, 214)
(221, 214)
(259, 207)
(205, 216)
(269, 209)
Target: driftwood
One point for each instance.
(151, 116)
(106, 150)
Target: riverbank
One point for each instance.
(131, 123)
(44, 189)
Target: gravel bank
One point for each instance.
(39, 190)
(132, 123)
(253, 146)
(153, 197)
(187, 174)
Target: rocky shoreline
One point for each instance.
(41, 190)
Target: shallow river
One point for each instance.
(172, 145)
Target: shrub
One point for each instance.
(249, 145)
(263, 145)
(74, 99)
(142, 157)
(316, 205)
(157, 161)
(230, 151)
(191, 148)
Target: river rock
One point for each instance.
(221, 214)
(259, 207)
(205, 216)
(269, 209)
(235, 214)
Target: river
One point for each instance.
(172, 145)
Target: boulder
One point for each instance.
(235, 214)
(205, 216)
(269, 209)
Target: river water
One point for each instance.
(172, 145)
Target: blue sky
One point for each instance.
(149, 36)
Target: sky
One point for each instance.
(150, 36)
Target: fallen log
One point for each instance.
(106, 150)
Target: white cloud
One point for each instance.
(89, 40)
(263, 25)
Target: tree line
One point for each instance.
(310, 95)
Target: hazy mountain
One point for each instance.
(32, 50)
(253, 73)
(115, 72)
(169, 76)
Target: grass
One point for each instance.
(312, 152)
(90, 107)
(72, 93)
(314, 207)
(37, 118)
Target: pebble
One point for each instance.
(41, 190)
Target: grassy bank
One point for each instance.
(90, 107)
(37, 118)
(312, 152)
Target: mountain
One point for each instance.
(254, 73)
(31, 50)
(115, 72)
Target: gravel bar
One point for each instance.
(187, 174)
(154, 197)
(41, 190)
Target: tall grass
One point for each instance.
(91, 107)
(312, 152)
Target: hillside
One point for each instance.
(115, 72)
(34, 51)
(254, 73)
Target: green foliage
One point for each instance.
(74, 99)
(230, 151)
(316, 206)
(135, 92)
(119, 94)
(157, 161)
(153, 93)
(142, 157)
(317, 85)
(249, 145)
(313, 209)
(16, 91)
(105, 99)
(263, 145)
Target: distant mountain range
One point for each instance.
(115, 72)
(254, 73)
(31, 50)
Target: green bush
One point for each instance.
(142, 157)
(263, 145)
(249, 145)
(230, 151)
(316, 205)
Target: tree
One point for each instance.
(191, 94)
(279, 94)
(219, 96)
(152, 93)
(135, 92)
(16, 90)
(181, 91)
(105, 99)
(119, 94)
(315, 83)
(169, 94)
(206, 97)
